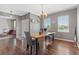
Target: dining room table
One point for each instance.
(41, 37)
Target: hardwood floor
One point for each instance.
(63, 48)
(56, 48)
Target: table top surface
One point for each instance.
(37, 35)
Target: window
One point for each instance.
(47, 23)
(63, 23)
(4, 25)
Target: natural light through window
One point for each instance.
(47, 23)
(63, 23)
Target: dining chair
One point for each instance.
(49, 38)
(30, 42)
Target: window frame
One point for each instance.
(58, 24)
(50, 23)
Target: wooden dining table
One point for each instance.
(38, 37)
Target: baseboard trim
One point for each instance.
(65, 40)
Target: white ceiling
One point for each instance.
(22, 9)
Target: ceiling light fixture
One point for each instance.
(43, 13)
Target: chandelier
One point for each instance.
(43, 13)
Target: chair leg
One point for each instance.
(36, 46)
(53, 38)
(31, 50)
(27, 47)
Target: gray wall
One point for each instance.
(34, 26)
(72, 24)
